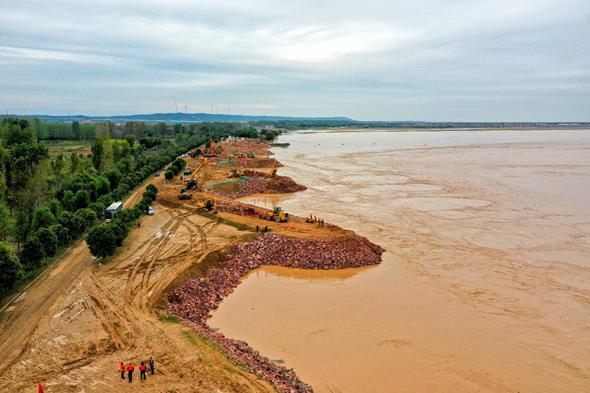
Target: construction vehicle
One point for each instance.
(272, 173)
(278, 215)
(208, 204)
(190, 184)
(234, 173)
(199, 173)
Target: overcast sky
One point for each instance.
(464, 60)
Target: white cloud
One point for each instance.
(303, 54)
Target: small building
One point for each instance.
(111, 211)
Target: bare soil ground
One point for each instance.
(72, 328)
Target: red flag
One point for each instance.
(40, 388)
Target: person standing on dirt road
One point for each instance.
(122, 370)
(130, 369)
(142, 371)
(152, 364)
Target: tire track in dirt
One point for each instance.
(161, 254)
(18, 322)
(148, 258)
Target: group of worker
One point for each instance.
(314, 220)
(142, 369)
(264, 230)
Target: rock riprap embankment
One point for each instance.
(195, 300)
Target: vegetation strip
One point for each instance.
(49, 200)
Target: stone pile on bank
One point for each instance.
(275, 185)
(199, 296)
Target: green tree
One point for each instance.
(88, 216)
(4, 156)
(124, 165)
(57, 165)
(108, 157)
(97, 208)
(43, 218)
(73, 223)
(152, 189)
(10, 268)
(31, 254)
(81, 200)
(49, 241)
(62, 233)
(16, 131)
(97, 153)
(169, 175)
(54, 206)
(114, 177)
(120, 229)
(161, 129)
(68, 200)
(74, 162)
(76, 130)
(102, 241)
(104, 129)
(103, 186)
(26, 180)
(4, 221)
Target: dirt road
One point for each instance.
(21, 319)
(72, 328)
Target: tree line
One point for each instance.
(49, 202)
(87, 130)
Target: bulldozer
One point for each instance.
(208, 204)
(278, 215)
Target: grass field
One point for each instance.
(67, 146)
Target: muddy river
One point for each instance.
(485, 285)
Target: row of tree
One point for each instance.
(49, 202)
(175, 168)
(87, 130)
(103, 240)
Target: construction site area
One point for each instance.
(73, 326)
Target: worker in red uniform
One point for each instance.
(142, 371)
(122, 370)
(130, 369)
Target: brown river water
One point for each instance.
(485, 285)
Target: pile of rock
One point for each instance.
(285, 380)
(199, 296)
(260, 163)
(275, 185)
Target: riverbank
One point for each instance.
(297, 243)
(484, 285)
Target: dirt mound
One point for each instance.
(194, 300)
(275, 185)
(259, 162)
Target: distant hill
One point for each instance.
(184, 118)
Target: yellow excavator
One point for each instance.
(278, 215)
(209, 204)
(199, 178)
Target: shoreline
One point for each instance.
(345, 130)
(196, 298)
